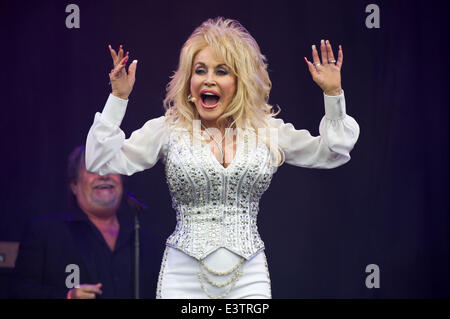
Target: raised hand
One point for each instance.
(327, 74)
(122, 82)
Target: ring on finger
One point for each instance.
(316, 64)
(331, 61)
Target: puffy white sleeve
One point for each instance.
(338, 135)
(107, 150)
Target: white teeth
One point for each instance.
(209, 93)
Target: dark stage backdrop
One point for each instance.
(388, 206)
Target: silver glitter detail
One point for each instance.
(161, 272)
(216, 206)
(268, 276)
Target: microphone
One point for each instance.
(135, 203)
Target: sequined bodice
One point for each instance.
(216, 206)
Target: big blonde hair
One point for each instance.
(249, 107)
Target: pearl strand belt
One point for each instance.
(235, 273)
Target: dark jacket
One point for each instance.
(51, 243)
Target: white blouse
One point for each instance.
(108, 151)
(215, 206)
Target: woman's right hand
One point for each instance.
(121, 82)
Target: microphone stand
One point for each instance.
(137, 207)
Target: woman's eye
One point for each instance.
(222, 72)
(218, 72)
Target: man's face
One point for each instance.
(98, 195)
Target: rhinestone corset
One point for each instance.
(216, 206)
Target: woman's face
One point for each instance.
(212, 85)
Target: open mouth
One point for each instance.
(104, 186)
(209, 99)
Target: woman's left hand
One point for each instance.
(327, 74)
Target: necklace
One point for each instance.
(219, 145)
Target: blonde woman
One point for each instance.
(218, 157)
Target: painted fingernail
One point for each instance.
(328, 42)
(126, 53)
(306, 60)
(313, 46)
(321, 42)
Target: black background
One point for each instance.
(387, 206)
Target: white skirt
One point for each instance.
(184, 277)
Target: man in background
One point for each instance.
(92, 244)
